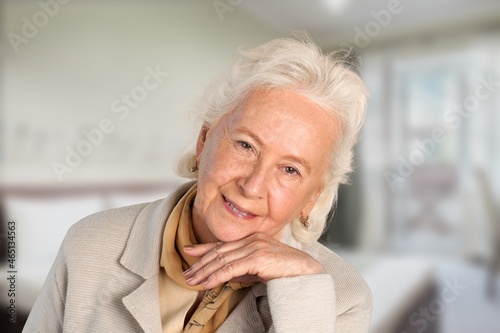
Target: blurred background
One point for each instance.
(97, 101)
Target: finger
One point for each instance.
(212, 261)
(209, 252)
(206, 251)
(237, 269)
(200, 250)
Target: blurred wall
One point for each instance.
(77, 69)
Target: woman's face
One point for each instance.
(261, 166)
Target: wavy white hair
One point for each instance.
(329, 80)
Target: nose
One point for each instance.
(255, 180)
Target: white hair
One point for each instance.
(328, 80)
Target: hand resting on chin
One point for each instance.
(256, 258)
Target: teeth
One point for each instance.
(236, 210)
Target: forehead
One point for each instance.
(286, 112)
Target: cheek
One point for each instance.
(216, 169)
(223, 165)
(288, 204)
(284, 205)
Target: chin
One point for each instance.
(228, 235)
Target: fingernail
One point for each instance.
(188, 281)
(187, 271)
(188, 247)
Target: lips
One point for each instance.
(236, 210)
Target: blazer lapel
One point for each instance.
(143, 305)
(142, 257)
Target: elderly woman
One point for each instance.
(235, 250)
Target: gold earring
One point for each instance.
(195, 167)
(304, 222)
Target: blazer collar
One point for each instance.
(142, 252)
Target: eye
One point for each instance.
(245, 145)
(291, 170)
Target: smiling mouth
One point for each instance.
(237, 211)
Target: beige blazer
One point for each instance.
(105, 279)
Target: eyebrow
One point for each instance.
(294, 158)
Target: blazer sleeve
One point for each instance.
(302, 304)
(310, 303)
(48, 311)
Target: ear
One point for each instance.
(312, 202)
(202, 138)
